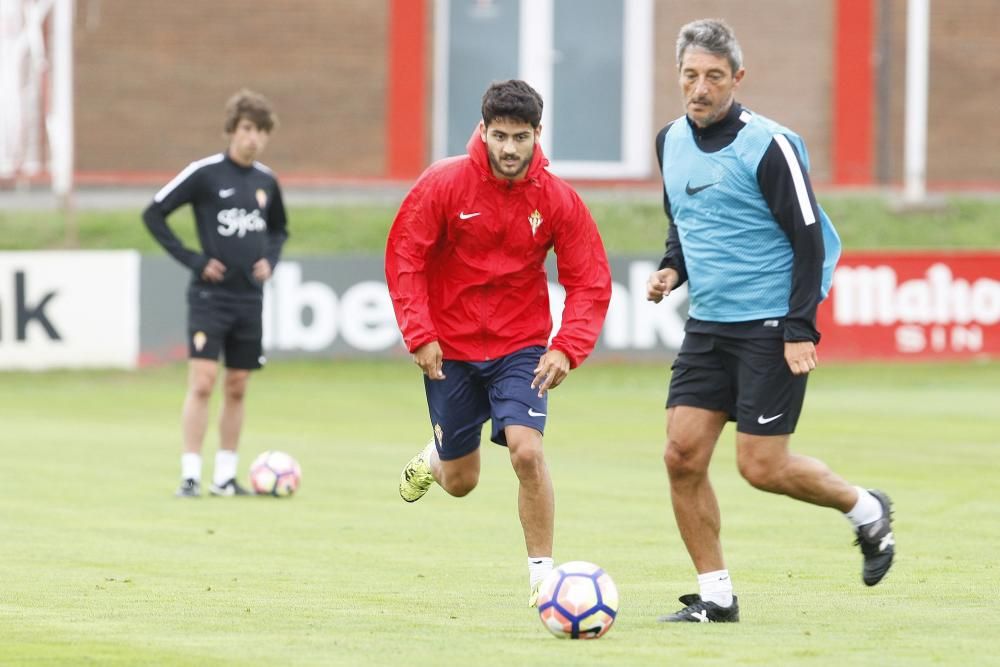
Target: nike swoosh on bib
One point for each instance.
(693, 191)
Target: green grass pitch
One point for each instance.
(100, 565)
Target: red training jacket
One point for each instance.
(465, 259)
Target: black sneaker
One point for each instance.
(229, 488)
(877, 543)
(700, 611)
(189, 488)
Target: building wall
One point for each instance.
(152, 78)
(963, 139)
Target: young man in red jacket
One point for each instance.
(465, 267)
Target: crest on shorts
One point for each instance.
(535, 219)
(199, 339)
(261, 197)
(439, 434)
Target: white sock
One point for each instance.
(538, 568)
(225, 466)
(866, 510)
(429, 450)
(716, 587)
(191, 466)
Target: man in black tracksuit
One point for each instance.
(241, 223)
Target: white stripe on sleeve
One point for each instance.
(797, 178)
(181, 177)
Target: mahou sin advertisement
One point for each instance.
(913, 305)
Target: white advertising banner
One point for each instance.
(345, 311)
(69, 309)
(331, 307)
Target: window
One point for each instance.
(591, 60)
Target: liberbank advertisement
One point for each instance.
(120, 309)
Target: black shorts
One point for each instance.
(220, 323)
(747, 378)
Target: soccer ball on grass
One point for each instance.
(275, 474)
(578, 600)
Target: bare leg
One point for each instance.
(535, 498)
(231, 417)
(194, 416)
(459, 476)
(766, 463)
(691, 437)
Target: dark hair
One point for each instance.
(252, 106)
(712, 35)
(512, 99)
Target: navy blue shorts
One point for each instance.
(472, 392)
(747, 378)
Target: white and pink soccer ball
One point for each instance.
(578, 600)
(275, 474)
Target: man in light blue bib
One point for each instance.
(757, 253)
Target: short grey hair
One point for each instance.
(712, 35)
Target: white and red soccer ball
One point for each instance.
(578, 600)
(275, 474)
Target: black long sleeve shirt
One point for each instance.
(240, 218)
